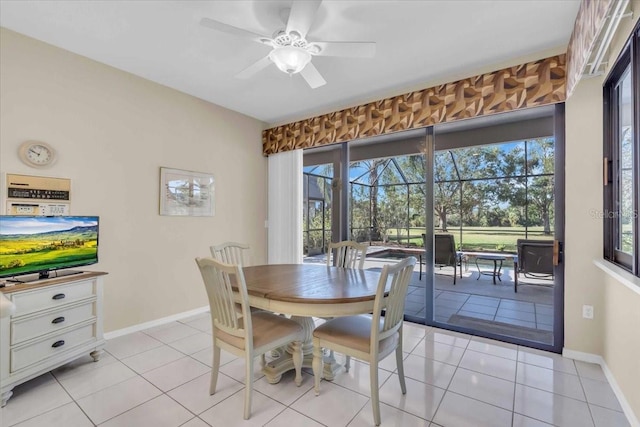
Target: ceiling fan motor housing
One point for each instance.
(293, 38)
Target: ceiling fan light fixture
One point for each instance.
(290, 59)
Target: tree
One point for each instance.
(521, 189)
(447, 188)
(374, 168)
(317, 206)
(360, 212)
(541, 159)
(626, 209)
(451, 192)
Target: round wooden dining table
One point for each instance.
(305, 291)
(311, 289)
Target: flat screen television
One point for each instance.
(41, 244)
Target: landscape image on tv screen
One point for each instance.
(40, 244)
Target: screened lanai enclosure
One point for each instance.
(486, 196)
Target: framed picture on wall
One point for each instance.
(186, 193)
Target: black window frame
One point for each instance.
(628, 59)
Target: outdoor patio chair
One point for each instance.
(534, 261)
(248, 335)
(445, 253)
(370, 338)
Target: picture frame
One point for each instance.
(186, 193)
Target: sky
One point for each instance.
(42, 224)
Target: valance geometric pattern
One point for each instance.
(589, 22)
(532, 84)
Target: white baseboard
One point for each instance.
(146, 325)
(583, 357)
(597, 359)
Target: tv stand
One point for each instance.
(55, 321)
(59, 273)
(44, 275)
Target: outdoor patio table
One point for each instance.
(497, 268)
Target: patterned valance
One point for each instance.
(532, 84)
(591, 18)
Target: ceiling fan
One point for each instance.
(292, 52)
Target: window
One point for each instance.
(622, 158)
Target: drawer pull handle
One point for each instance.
(57, 344)
(58, 296)
(58, 320)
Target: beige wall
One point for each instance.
(614, 331)
(621, 339)
(113, 131)
(583, 229)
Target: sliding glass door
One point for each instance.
(478, 200)
(497, 195)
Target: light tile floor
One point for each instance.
(159, 377)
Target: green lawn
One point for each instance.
(478, 238)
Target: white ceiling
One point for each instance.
(418, 43)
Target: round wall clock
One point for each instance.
(36, 153)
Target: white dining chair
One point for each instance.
(232, 253)
(348, 254)
(247, 335)
(370, 338)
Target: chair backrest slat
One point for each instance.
(348, 254)
(394, 280)
(231, 253)
(219, 279)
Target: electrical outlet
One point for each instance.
(587, 311)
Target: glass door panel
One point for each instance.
(497, 200)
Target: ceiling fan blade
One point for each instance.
(254, 68)
(230, 29)
(312, 76)
(347, 49)
(301, 16)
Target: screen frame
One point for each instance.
(53, 267)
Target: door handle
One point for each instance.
(556, 252)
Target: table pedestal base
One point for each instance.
(273, 370)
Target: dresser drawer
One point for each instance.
(50, 346)
(50, 297)
(25, 329)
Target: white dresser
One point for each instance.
(55, 321)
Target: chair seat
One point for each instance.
(267, 327)
(353, 332)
